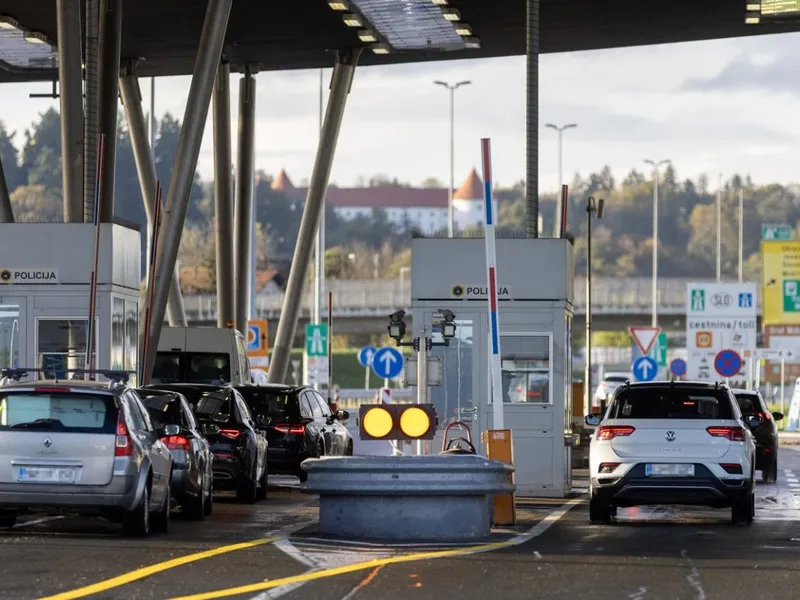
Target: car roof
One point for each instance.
(618, 374)
(96, 386)
(272, 387)
(678, 384)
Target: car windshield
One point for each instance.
(276, 404)
(749, 404)
(61, 412)
(671, 403)
(192, 367)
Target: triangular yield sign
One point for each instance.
(644, 337)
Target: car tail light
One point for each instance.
(176, 442)
(734, 434)
(767, 450)
(608, 467)
(609, 432)
(123, 446)
(51, 390)
(230, 433)
(290, 429)
(732, 468)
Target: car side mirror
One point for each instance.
(777, 416)
(753, 421)
(593, 420)
(170, 430)
(210, 428)
(342, 415)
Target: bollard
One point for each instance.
(407, 498)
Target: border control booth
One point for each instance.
(45, 276)
(535, 292)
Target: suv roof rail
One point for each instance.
(116, 377)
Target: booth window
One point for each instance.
(9, 335)
(568, 378)
(61, 344)
(526, 369)
(117, 334)
(131, 335)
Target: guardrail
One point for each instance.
(378, 297)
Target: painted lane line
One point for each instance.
(138, 574)
(638, 595)
(364, 582)
(535, 531)
(694, 576)
(37, 521)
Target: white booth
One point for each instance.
(535, 289)
(45, 273)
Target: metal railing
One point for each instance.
(378, 297)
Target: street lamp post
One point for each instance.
(452, 87)
(719, 230)
(596, 208)
(654, 299)
(559, 208)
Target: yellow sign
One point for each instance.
(780, 273)
(257, 339)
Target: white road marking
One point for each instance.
(694, 577)
(638, 595)
(37, 521)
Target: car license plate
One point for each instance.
(669, 470)
(46, 475)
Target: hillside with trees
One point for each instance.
(622, 240)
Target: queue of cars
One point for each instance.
(680, 443)
(130, 455)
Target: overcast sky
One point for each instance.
(720, 106)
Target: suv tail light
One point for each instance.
(123, 446)
(609, 432)
(176, 442)
(290, 428)
(734, 434)
(230, 433)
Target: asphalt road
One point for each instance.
(650, 554)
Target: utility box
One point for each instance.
(535, 287)
(45, 276)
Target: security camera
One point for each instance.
(448, 315)
(397, 316)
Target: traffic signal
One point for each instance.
(397, 422)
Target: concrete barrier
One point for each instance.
(407, 498)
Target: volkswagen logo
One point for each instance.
(670, 436)
(721, 300)
(47, 442)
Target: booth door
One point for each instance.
(457, 399)
(13, 343)
(61, 345)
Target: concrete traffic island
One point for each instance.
(407, 498)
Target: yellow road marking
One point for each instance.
(362, 566)
(132, 576)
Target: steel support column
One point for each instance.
(341, 81)
(110, 48)
(243, 219)
(223, 197)
(71, 98)
(6, 212)
(532, 121)
(209, 53)
(90, 122)
(146, 169)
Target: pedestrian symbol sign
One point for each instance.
(317, 340)
(698, 300)
(791, 295)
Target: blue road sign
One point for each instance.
(728, 363)
(745, 300)
(365, 356)
(645, 368)
(678, 367)
(254, 334)
(387, 363)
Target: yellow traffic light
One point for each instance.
(397, 422)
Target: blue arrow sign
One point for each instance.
(645, 368)
(387, 363)
(678, 367)
(728, 363)
(365, 356)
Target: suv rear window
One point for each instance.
(671, 403)
(58, 412)
(280, 406)
(192, 367)
(749, 404)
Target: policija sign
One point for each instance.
(474, 292)
(28, 276)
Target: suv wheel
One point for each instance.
(136, 523)
(600, 513)
(248, 489)
(195, 508)
(162, 517)
(770, 473)
(209, 505)
(743, 510)
(261, 493)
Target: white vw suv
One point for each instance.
(672, 443)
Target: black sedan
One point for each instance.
(299, 425)
(239, 445)
(766, 434)
(192, 462)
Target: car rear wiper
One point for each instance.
(39, 424)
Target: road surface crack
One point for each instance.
(694, 576)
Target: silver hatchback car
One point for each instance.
(81, 447)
